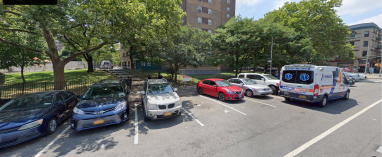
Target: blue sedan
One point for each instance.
(33, 115)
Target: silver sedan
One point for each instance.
(250, 87)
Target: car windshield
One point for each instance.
(270, 77)
(223, 83)
(28, 103)
(248, 81)
(104, 92)
(159, 88)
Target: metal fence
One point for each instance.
(9, 91)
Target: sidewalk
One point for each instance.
(371, 76)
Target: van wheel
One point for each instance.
(346, 97)
(274, 90)
(323, 102)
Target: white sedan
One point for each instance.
(356, 77)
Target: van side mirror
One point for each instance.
(143, 92)
(175, 89)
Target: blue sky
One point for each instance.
(351, 11)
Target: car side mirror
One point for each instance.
(143, 92)
(79, 96)
(128, 92)
(263, 79)
(215, 85)
(60, 103)
(242, 84)
(175, 89)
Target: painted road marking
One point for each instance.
(276, 97)
(261, 102)
(136, 125)
(201, 124)
(51, 143)
(223, 104)
(327, 132)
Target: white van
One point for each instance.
(310, 83)
(105, 64)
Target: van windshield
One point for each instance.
(298, 76)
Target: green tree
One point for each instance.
(86, 25)
(317, 20)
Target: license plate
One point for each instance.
(98, 122)
(302, 96)
(286, 93)
(239, 96)
(167, 114)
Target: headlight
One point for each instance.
(230, 92)
(152, 106)
(31, 124)
(78, 111)
(120, 106)
(178, 103)
(253, 89)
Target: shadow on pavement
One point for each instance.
(333, 106)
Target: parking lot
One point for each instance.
(255, 126)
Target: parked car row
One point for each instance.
(37, 114)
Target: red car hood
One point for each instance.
(232, 88)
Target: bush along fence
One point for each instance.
(10, 91)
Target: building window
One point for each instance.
(365, 43)
(228, 9)
(199, 9)
(352, 35)
(364, 53)
(228, 16)
(209, 22)
(352, 43)
(199, 20)
(228, 1)
(366, 33)
(210, 11)
(209, 31)
(210, 1)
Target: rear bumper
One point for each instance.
(309, 98)
(160, 114)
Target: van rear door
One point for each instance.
(298, 83)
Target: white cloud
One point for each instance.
(279, 3)
(248, 2)
(376, 19)
(354, 7)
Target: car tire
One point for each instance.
(145, 118)
(323, 102)
(52, 126)
(274, 90)
(200, 91)
(221, 96)
(249, 93)
(346, 96)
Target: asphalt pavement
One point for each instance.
(255, 126)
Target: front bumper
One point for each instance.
(234, 96)
(11, 137)
(297, 96)
(83, 122)
(262, 92)
(160, 114)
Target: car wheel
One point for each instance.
(274, 90)
(200, 91)
(52, 126)
(145, 118)
(249, 93)
(347, 95)
(323, 102)
(221, 97)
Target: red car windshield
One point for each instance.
(223, 83)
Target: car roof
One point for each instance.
(214, 79)
(107, 83)
(156, 81)
(48, 92)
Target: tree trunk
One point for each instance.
(176, 73)
(131, 59)
(89, 59)
(158, 67)
(241, 67)
(237, 69)
(143, 67)
(22, 74)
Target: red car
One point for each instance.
(346, 69)
(220, 88)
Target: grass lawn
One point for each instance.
(70, 75)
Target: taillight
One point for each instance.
(316, 88)
(279, 85)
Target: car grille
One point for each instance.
(9, 130)
(162, 107)
(238, 93)
(97, 112)
(171, 105)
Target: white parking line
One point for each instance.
(261, 102)
(51, 143)
(136, 125)
(193, 117)
(276, 97)
(378, 81)
(327, 132)
(223, 104)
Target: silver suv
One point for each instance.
(160, 100)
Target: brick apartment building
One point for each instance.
(363, 37)
(206, 15)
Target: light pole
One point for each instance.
(367, 58)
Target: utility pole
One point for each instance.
(367, 58)
(270, 67)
